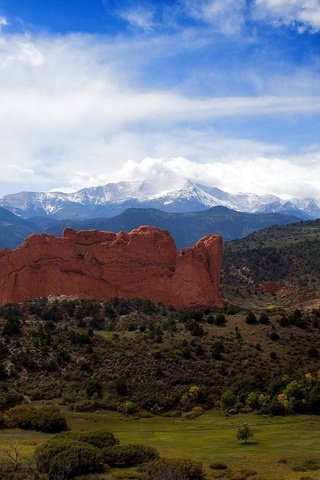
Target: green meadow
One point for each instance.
(282, 448)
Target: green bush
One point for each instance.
(45, 419)
(11, 327)
(99, 439)
(128, 455)
(63, 459)
(9, 399)
(175, 469)
(76, 461)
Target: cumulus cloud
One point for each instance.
(285, 177)
(71, 116)
(303, 15)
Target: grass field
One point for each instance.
(279, 444)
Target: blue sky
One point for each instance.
(224, 92)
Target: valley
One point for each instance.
(281, 448)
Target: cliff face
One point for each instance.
(101, 265)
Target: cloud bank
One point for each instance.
(79, 110)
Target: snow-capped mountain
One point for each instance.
(114, 198)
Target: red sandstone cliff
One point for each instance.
(102, 265)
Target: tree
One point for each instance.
(244, 433)
(227, 400)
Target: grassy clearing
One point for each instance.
(278, 445)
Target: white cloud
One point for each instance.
(229, 16)
(226, 16)
(139, 17)
(303, 15)
(22, 49)
(285, 177)
(70, 115)
(3, 21)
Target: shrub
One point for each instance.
(128, 455)
(227, 400)
(11, 327)
(194, 413)
(175, 469)
(217, 350)
(45, 419)
(218, 466)
(251, 319)
(72, 462)
(99, 439)
(9, 399)
(244, 433)
(94, 388)
(220, 319)
(264, 319)
(63, 459)
(313, 352)
(274, 336)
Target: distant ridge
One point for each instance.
(13, 229)
(186, 228)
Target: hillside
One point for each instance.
(148, 354)
(282, 256)
(186, 228)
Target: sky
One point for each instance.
(223, 92)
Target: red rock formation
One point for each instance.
(101, 265)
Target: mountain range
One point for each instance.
(186, 228)
(114, 198)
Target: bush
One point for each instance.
(45, 419)
(251, 319)
(128, 455)
(274, 336)
(9, 399)
(175, 469)
(220, 319)
(11, 327)
(264, 319)
(63, 459)
(99, 439)
(227, 400)
(218, 466)
(217, 350)
(76, 461)
(313, 352)
(244, 433)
